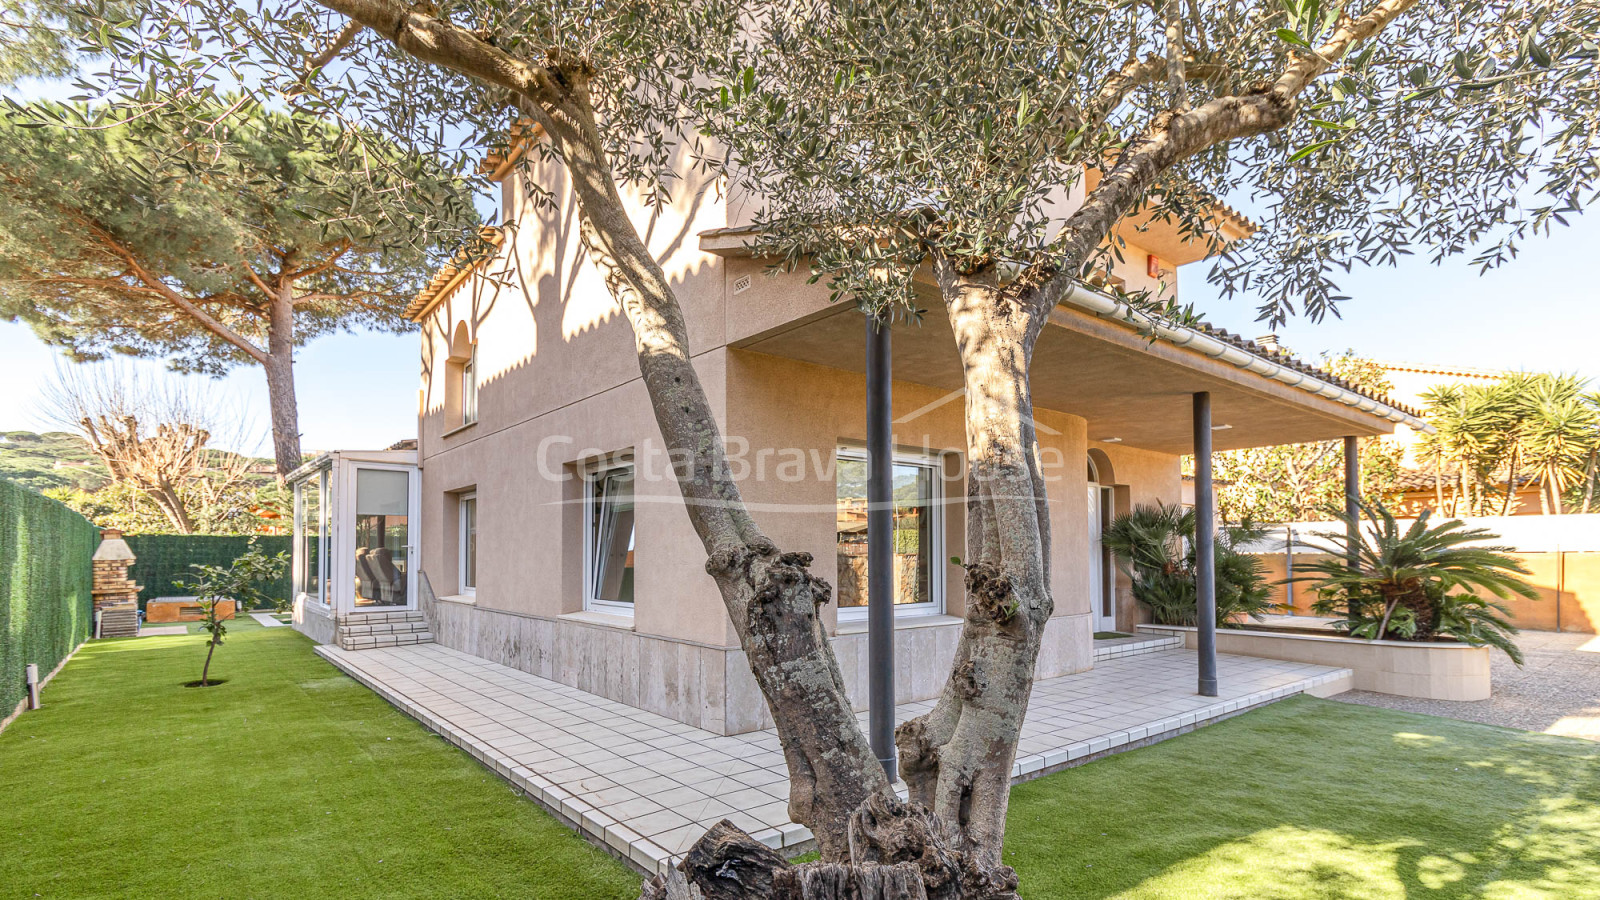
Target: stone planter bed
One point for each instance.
(1432, 670)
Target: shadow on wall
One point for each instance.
(542, 260)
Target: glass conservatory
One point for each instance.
(355, 515)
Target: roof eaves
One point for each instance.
(451, 275)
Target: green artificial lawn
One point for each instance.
(290, 780)
(1318, 799)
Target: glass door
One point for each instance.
(383, 546)
(1102, 572)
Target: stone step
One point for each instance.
(374, 641)
(383, 628)
(378, 618)
(1137, 646)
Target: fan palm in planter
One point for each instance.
(1154, 545)
(1415, 582)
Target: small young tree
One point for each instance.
(232, 237)
(239, 582)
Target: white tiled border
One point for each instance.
(646, 787)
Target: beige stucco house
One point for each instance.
(551, 537)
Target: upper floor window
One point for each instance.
(469, 388)
(918, 533)
(609, 539)
(460, 379)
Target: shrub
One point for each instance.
(1419, 582)
(1154, 545)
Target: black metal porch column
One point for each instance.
(1352, 506)
(1205, 546)
(880, 548)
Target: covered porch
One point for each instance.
(646, 786)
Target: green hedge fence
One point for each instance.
(46, 610)
(164, 559)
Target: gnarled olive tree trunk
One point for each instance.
(957, 759)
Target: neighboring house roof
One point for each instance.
(1455, 371)
(451, 275)
(1415, 480)
(1284, 358)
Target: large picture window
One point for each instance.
(382, 537)
(918, 534)
(469, 543)
(609, 539)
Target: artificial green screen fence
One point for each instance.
(164, 560)
(45, 575)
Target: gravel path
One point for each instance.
(1557, 692)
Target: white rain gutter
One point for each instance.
(1099, 304)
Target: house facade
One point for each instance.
(552, 537)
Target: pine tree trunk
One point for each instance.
(280, 383)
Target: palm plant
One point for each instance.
(1414, 582)
(1154, 545)
(1561, 425)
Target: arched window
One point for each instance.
(461, 370)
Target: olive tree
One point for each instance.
(993, 150)
(891, 139)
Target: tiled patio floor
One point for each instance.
(648, 786)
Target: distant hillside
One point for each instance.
(51, 460)
(60, 459)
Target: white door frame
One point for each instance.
(345, 544)
(1102, 571)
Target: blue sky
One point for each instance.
(1537, 313)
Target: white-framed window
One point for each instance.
(467, 512)
(608, 538)
(469, 388)
(918, 533)
(313, 502)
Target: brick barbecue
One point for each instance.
(116, 597)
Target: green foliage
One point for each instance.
(45, 576)
(35, 40)
(107, 216)
(1155, 547)
(55, 459)
(1300, 482)
(249, 507)
(1413, 583)
(1490, 437)
(165, 561)
(240, 582)
(957, 134)
(298, 756)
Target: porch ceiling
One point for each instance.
(1123, 383)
